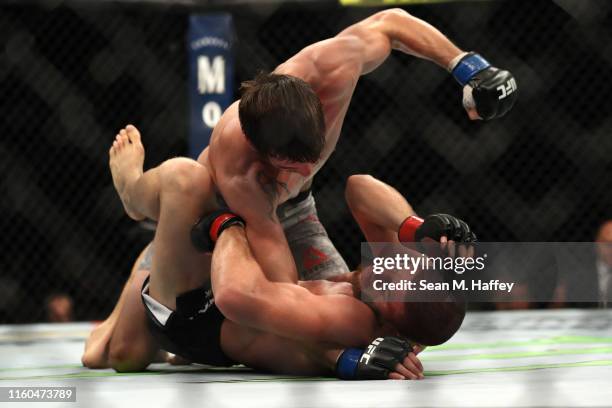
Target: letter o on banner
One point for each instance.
(211, 75)
(211, 113)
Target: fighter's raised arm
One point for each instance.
(362, 47)
(332, 65)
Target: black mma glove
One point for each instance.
(374, 363)
(492, 91)
(207, 230)
(435, 226)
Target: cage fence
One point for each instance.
(72, 73)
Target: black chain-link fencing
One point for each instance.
(72, 74)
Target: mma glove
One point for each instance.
(375, 362)
(491, 91)
(208, 229)
(435, 226)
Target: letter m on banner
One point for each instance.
(211, 75)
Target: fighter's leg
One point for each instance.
(186, 193)
(123, 341)
(176, 193)
(315, 255)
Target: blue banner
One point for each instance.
(211, 75)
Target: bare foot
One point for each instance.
(126, 158)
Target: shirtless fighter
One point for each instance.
(293, 329)
(268, 146)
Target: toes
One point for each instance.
(133, 133)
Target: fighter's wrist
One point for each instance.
(226, 227)
(453, 62)
(468, 66)
(408, 228)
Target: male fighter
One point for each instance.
(268, 146)
(172, 194)
(292, 120)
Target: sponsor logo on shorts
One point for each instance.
(313, 257)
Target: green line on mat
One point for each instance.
(425, 357)
(106, 374)
(50, 367)
(86, 374)
(518, 354)
(595, 363)
(99, 374)
(533, 342)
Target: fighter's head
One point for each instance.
(424, 317)
(425, 323)
(282, 117)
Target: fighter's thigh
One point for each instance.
(187, 192)
(131, 345)
(265, 351)
(315, 255)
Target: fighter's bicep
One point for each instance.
(369, 45)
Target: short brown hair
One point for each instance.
(431, 323)
(282, 117)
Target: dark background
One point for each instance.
(72, 74)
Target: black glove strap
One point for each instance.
(201, 231)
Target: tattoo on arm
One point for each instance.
(269, 186)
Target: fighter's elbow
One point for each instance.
(355, 186)
(391, 14)
(356, 182)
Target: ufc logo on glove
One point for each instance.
(507, 89)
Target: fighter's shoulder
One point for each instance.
(227, 140)
(227, 122)
(328, 55)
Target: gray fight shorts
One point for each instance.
(315, 255)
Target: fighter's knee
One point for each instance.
(125, 357)
(89, 360)
(182, 175)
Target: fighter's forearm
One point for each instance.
(244, 296)
(376, 202)
(414, 36)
